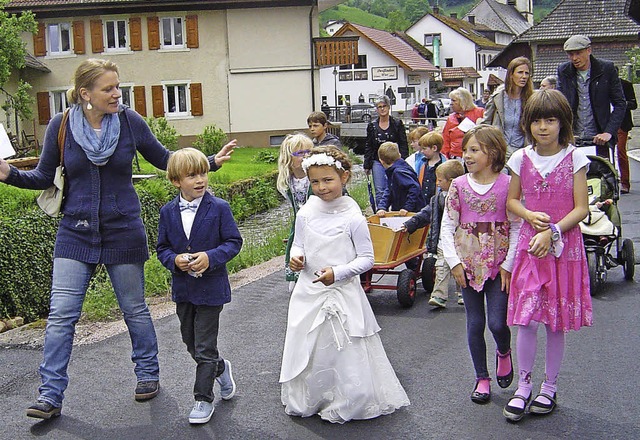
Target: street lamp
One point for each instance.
(335, 85)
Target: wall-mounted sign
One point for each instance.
(384, 73)
(414, 80)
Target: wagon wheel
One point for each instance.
(628, 259)
(428, 274)
(406, 288)
(595, 279)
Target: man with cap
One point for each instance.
(592, 87)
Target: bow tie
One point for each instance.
(188, 206)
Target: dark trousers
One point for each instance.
(496, 316)
(199, 329)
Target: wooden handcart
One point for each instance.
(392, 249)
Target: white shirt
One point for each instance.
(188, 215)
(546, 164)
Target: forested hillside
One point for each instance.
(400, 14)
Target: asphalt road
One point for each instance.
(597, 397)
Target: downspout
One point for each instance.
(311, 50)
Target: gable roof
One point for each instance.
(594, 18)
(393, 45)
(468, 31)
(507, 18)
(63, 8)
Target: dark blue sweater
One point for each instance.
(101, 222)
(403, 190)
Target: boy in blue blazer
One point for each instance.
(197, 236)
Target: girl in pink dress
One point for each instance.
(550, 283)
(476, 236)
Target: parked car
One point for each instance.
(360, 112)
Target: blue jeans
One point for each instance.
(379, 180)
(476, 321)
(70, 282)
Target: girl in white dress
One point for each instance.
(334, 364)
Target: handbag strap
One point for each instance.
(62, 135)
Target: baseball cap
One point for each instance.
(577, 42)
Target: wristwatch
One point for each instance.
(555, 232)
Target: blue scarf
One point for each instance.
(98, 150)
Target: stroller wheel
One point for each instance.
(597, 272)
(628, 259)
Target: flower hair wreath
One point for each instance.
(320, 159)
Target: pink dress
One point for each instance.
(554, 291)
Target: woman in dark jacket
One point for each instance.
(385, 129)
(101, 224)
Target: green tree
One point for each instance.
(415, 9)
(397, 22)
(634, 59)
(12, 58)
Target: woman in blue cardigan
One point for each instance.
(101, 224)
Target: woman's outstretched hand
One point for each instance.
(225, 153)
(4, 170)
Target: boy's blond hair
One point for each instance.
(417, 133)
(431, 139)
(186, 161)
(389, 152)
(450, 170)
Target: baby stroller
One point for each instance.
(602, 228)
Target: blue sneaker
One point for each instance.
(227, 385)
(201, 412)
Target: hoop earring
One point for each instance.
(89, 106)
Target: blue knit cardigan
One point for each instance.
(101, 212)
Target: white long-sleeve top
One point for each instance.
(331, 218)
(448, 229)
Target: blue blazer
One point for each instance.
(215, 232)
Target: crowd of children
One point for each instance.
(510, 241)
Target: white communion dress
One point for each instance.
(334, 364)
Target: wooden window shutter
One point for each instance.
(192, 31)
(44, 111)
(97, 43)
(78, 37)
(135, 33)
(39, 41)
(140, 100)
(157, 97)
(153, 32)
(196, 99)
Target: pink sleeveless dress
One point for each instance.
(554, 291)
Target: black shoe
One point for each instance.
(43, 410)
(513, 413)
(504, 381)
(541, 409)
(480, 398)
(147, 389)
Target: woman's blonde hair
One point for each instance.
(464, 97)
(86, 75)
(186, 161)
(291, 143)
(491, 141)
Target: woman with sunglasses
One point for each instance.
(385, 129)
(293, 184)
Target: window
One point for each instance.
(448, 62)
(58, 101)
(358, 72)
(127, 95)
(472, 89)
(116, 35)
(342, 99)
(432, 39)
(177, 99)
(172, 29)
(484, 60)
(59, 38)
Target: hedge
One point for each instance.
(27, 238)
